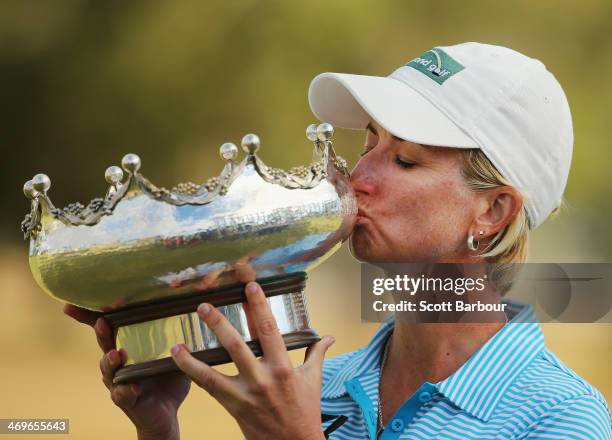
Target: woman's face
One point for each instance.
(414, 204)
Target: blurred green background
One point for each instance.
(84, 82)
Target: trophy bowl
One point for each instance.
(146, 256)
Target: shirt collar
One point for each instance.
(356, 364)
(479, 384)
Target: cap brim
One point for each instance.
(351, 101)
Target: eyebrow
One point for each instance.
(373, 130)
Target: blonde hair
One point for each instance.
(509, 245)
(508, 248)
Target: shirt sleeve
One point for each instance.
(583, 417)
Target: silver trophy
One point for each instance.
(147, 256)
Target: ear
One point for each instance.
(500, 207)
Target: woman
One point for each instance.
(468, 147)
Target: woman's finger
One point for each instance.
(264, 322)
(109, 363)
(84, 316)
(230, 339)
(316, 353)
(104, 335)
(250, 322)
(216, 384)
(244, 273)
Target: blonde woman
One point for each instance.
(467, 149)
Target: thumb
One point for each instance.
(315, 354)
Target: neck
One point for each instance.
(426, 352)
(431, 346)
(432, 352)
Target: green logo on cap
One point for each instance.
(436, 64)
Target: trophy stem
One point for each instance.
(211, 356)
(231, 294)
(148, 331)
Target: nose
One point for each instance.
(363, 178)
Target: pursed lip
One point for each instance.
(361, 215)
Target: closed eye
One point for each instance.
(404, 163)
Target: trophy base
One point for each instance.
(212, 356)
(148, 331)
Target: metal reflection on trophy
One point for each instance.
(146, 256)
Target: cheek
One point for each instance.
(434, 210)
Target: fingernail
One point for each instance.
(204, 308)
(113, 356)
(331, 339)
(251, 288)
(175, 349)
(136, 388)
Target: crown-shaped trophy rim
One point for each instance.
(188, 193)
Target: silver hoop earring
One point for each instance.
(471, 243)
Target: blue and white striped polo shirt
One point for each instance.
(511, 388)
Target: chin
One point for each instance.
(360, 247)
(363, 250)
(357, 245)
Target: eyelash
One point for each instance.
(398, 160)
(403, 163)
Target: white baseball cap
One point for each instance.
(469, 95)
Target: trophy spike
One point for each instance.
(325, 132)
(41, 183)
(113, 175)
(29, 191)
(131, 163)
(311, 132)
(36, 190)
(250, 143)
(31, 223)
(228, 151)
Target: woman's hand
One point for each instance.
(269, 398)
(151, 404)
